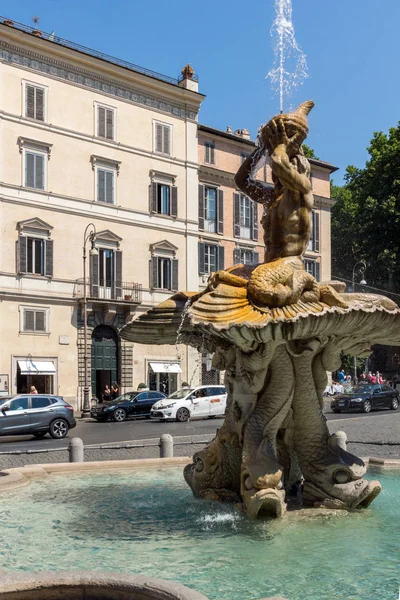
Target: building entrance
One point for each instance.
(105, 359)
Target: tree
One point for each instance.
(366, 216)
(309, 152)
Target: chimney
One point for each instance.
(245, 133)
(187, 80)
(229, 129)
(238, 132)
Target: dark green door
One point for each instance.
(104, 359)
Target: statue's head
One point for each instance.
(294, 122)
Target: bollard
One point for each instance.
(338, 440)
(166, 446)
(76, 450)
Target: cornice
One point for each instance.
(208, 174)
(44, 65)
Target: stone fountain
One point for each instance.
(276, 331)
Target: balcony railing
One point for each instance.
(109, 290)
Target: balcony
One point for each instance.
(109, 291)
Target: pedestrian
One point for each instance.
(369, 377)
(373, 378)
(106, 394)
(341, 376)
(115, 390)
(33, 390)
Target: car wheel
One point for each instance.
(395, 404)
(182, 414)
(39, 435)
(336, 410)
(367, 406)
(119, 415)
(58, 429)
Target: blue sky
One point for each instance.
(351, 45)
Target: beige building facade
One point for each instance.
(101, 154)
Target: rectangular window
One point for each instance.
(162, 138)
(35, 254)
(34, 102)
(34, 170)
(105, 186)
(245, 217)
(105, 122)
(163, 199)
(106, 272)
(313, 244)
(34, 320)
(209, 153)
(210, 209)
(312, 266)
(210, 258)
(246, 257)
(164, 281)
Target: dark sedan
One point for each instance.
(128, 406)
(366, 398)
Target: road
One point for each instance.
(92, 432)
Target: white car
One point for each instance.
(202, 401)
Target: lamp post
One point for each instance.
(362, 265)
(87, 236)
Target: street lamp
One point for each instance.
(362, 265)
(87, 236)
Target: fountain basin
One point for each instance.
(147, 521)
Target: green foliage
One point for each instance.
(347, 364)
(309, 152)
(366, 216)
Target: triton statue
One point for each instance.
(276, 331)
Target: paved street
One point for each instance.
(376, 426)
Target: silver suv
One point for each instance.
(36, 414)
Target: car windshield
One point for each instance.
(360, 389)
(179, 394)
(125, 397)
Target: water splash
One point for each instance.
(290, 67)
(180, 328)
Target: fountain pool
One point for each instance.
(148, 522)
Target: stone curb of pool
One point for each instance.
(95, 586)
(21, 476)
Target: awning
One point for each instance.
(36, 367)
(158, 367)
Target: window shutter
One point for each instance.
(153, 197)
(118, 275)
(236, 256)
(174, 281)
(154, 272)
(174, 201)
(39, 172)
(40, 320)
(109, 179)
(94, 276)
(317, 277)
(48, 265)
(110, 124)
(315, 231)
(202, 269)
(22, 247)
(29, 170)
(29, 320)
(256, 258)
(39, 104)
(101, 122)
(30, 102)
(159, 138)
(220, 217)
(206, 152)
(236, 215)
(254, 221)
(167, 140)
(212, 154)
(101, 185)
(201, 206)
(221, 258)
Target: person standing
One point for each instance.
(106, 394)
(115, 391)
(33, 390)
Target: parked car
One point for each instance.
(128, 406)
(202, 401)
(36, 414)
(366, 397)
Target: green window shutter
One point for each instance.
(30, 101)
(256, 258)
(39, 171)
(254, 221)
(29, 320)
(316, 230)
(153, 197)
(202, 269)
(40, 320)
(101, 122)
(167, 140)
(101, 185)
(109, 124)
(174, 278)
(236, 215)
(118, 275)
(39, 104)
(221, 258)
(22, 250)
(220, 212)
(94, 276)
(29, 170)
(201, 206)
(154, 272)
(174, 201)
(212, 154)
(159, 138)
(317, 273)
(48, 264)
(109, 183)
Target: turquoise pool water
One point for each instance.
(149, 523)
